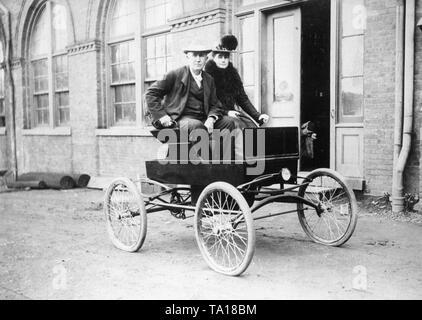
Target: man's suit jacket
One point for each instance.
(174, 89)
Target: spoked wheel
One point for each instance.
(336, 220)
(126, 216)
(224, 229)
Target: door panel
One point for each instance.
(349, 158)
(282, 101)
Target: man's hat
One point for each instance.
(194, 47)
(228, 44)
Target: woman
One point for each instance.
(230, 90)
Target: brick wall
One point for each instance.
(3, 153)
(379, 84)
(125, 156)
(46, 154)
(84, 151)
(416, 153)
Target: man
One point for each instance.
(188, 96)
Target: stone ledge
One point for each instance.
(193, 21)
(124, 132)
(66, 131)
(81, 48)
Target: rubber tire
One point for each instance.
(350, 194)
(143, 215)
(238, 197)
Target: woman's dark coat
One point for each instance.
(230, 90)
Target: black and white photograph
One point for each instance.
(228, 151)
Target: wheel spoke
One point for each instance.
(335, 220)
(226, 249)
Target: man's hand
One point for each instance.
(264, 118)
(209, 124)
(166, 121)
(233, 114)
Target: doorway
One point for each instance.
(295, 86)
(315, 83)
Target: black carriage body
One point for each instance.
(281, 151)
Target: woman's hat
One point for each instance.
(228, 44)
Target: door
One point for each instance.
(282, 66)
(347, 111)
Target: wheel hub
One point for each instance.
(222, 228)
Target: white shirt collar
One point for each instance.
(197, 78)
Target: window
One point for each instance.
(156, 13)
(49, 67)
(186, 7)
(247, 54)
(2, 89)
(133, 26)
(159, 58)
(352, 49)
(249, 2)
(122, 62)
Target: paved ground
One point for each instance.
(53, 245)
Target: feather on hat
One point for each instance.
(228, 44)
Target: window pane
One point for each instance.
(59, 23)
(125, 104)
(159, 56)
(160, 46)
(156, 13)
(352, 57)
(353, 17)
(250, 91)
(2, 88)
(115, 53)
(115, 74)
(352, 97)
(123, 21)
(40, 73)
(60, 73)
(41, 107)
(151, 71)
(247, 68)
(1, 53)
(129, 113)
(2, 113)
(122, 62)
(62, 105)
(246, 34)
(150, 42)
(169, 39)
(190, 5)
(39, 45)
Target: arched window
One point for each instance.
(121, 45)
(2, 89)
(138, 53)
(49, 67)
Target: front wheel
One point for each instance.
(224, 229)
(335, 221)
(125, 213)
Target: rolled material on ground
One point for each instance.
(27, 184)
(52, 180)
(81, 180)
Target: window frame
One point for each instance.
(341, 117)
(2, 87)
(53, 110)
(139, 37)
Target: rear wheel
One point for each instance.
(336, 220)
(224, 229)
(126, 217)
